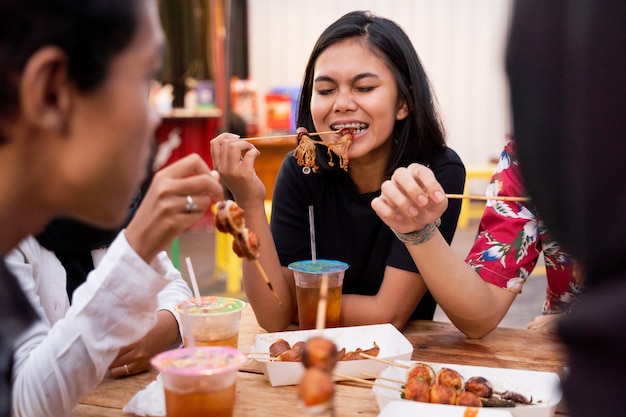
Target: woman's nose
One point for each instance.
(344, 101)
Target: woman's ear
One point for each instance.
(403, 111)
(45, 91)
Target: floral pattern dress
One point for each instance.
(511, 238)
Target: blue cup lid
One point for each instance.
(321, 266)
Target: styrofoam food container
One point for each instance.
(393, 346)
(543, 387)
(413, 408)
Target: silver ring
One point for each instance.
(190, 206)
(126, 369)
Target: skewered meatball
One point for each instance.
(440, 394)
(321, 353)
(279, 347)
(316, 388)
(229, 217)
(450, 378)
(298, 345)
(423, 372)
(290, 355)
(479, 386)
(246, 244)
(417, 390)
(468, 399)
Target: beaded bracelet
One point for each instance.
(418, 236)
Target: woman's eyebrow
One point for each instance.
(364, 75)
(322, 78)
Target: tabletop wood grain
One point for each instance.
(432, 342)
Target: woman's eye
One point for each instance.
(324, 92)
(364, 89)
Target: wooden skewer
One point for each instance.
(397, 381)
(267, 358)
(320, 320)
(365, 355)
(367, 382)
(267, 281)
(486, 198)
(287, 135)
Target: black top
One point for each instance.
(347, 228)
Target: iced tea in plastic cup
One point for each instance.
(200, 381)
(214, 323)
(308, 277)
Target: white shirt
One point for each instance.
(65, 354)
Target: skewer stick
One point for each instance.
(382, 378)
(367, 382)
(320, 321)
(486, 198)
(264, 358)
(288, 135)
(365, 355)
(267, 281)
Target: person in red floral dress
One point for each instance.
(477, 293)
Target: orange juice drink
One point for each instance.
(308, 278)
(213, 323)
(199, 382)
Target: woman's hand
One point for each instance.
(234, 160)
(177, 198)
(135, 358)
(546, 323)
(411, 199)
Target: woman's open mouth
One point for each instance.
(355, 127)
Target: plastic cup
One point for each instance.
(308, 277)
(214, 323)
(200, 381)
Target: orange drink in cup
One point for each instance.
(213, 323)
(308, 277)
(200, 381)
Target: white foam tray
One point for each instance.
(413, 408)
(393, 346)
(543, 387)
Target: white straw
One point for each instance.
(312, 234)
(194, 282)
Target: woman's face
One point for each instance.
(352, 87)
(112, 127)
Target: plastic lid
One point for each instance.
(205, 360)
(321, 266)
(211, 305)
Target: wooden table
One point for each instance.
(432, 342)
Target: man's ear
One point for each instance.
(403, 111)
(45, 91)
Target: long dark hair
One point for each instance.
(419, 136)
(90, 32)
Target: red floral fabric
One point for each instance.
(511, 238)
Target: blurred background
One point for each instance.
(253, 53)
(236, 65)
